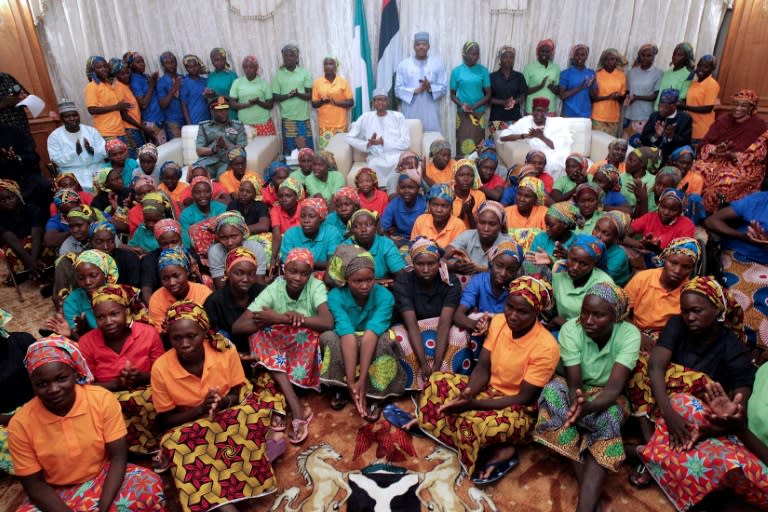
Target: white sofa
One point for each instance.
(590, 143)
(350, 161)
(261, 151)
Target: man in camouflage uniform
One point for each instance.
(215, 138)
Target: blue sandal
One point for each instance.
(400, 418)
(500, 468)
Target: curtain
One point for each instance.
(71, 30)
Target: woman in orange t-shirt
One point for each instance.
(70, 420)
(102, 102)
(205, 401)
(495, 406)
(608, 92)
(529, 210)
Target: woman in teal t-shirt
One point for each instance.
(470, 91)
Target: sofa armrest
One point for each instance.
(599, 145)
(427, 140)
(512, 152)
(342, 152)
(261, 151)
(171, 150)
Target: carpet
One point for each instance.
(542, 482)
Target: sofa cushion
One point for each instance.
(417, 137)
(261, 150)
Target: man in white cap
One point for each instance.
(420, 82)
(75, 147)
(382, 134)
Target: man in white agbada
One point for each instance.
(420, 82)
(75, 147)
(546, 134)
(382, 134)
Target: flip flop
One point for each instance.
(640, 478)
(275, 448)
(277, 427)
(339, 400)
(374, 412)
(297, 424)
(400, 418)
(500, 468)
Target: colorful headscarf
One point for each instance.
(676, 194)
(102, 261)
(156, 201)
(495, 208)
(669, 170)
(682, 151)
(166, 226)
(359, 213)
(251, 60)
(348, 192)
(728, 310)
(650, 158)
(232, 218)
(527, 170)
(188, 310)
(621, 60)
(302, 255)
(173, 256)
(102, 225)
(194, 59)
(576, 48)
(423, 245)
(167, 55)
(61, 177)
(619, 219)
(532, 153)
(89, 64)
(487, 155)
(465, 162)
(100, 181)
(747, 95)
(115, 66)
(85, 212)
(502, 51)
(468, 46)
(592, 246)
(580, 159)
(535, 290)
(125, 295)
(200, 179)
(255, 182)
(438, 145)
(306, 152)
(669, 96)
(370, 172)
(613, 176)
(567, 213)
(536, 186)
(688, 49)
(329, 159)
(317, 204)
(648, 46)
(237, 255)
(685, 246)
(142, 180)
(347, 260)
(272, 170)
(13, 187)
(222, 53)
(149, 150)
(524, 236)
(590, 187)
(545, 42)
(170, 164)
(440, 191)
(236, 152)
(613, 295)
(293, 184)
(410, 174)
(115, 145)
(57, 349)
(508, 248)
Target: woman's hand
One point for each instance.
(58, 325)
(721, 411)
(481, 325)
(681, 432)
(576, 411)
(268, 317)
(540, 257)
(465, 401)
(426, 368)
(295, 319)
(756, 234)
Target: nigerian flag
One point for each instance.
(362, 71)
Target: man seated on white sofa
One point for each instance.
(382, 134)
(215, 138)
(546, 134)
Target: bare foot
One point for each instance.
(499, 455)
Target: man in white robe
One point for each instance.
(421, 81)
(382, 134)
(546, 134)
(75, 147)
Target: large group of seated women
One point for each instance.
(512, 307)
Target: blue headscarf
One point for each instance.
(684, 150)
(89, 72)
(440, 191)
(173, 256)
(272, 169)
(592, 246)
(169, 163)
(669, 96)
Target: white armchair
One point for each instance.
(261, 150)
(591, 143)
(350, 161)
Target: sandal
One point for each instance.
(302, 426)
(401, 419)
(277, 422)
(500, 468)
(339, 400)
(276, 446)
(640, 478)
(373, 413)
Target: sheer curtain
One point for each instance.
(72, 30)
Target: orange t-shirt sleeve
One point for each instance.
(156, 349)
(316, 90)
(236, 372)
(417, 228)
(25, 461)
(494, 331)
(112, 417)
(157, 310)
(542, 361)
(160, 395)
(91, 95)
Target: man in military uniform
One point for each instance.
(215, 138)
